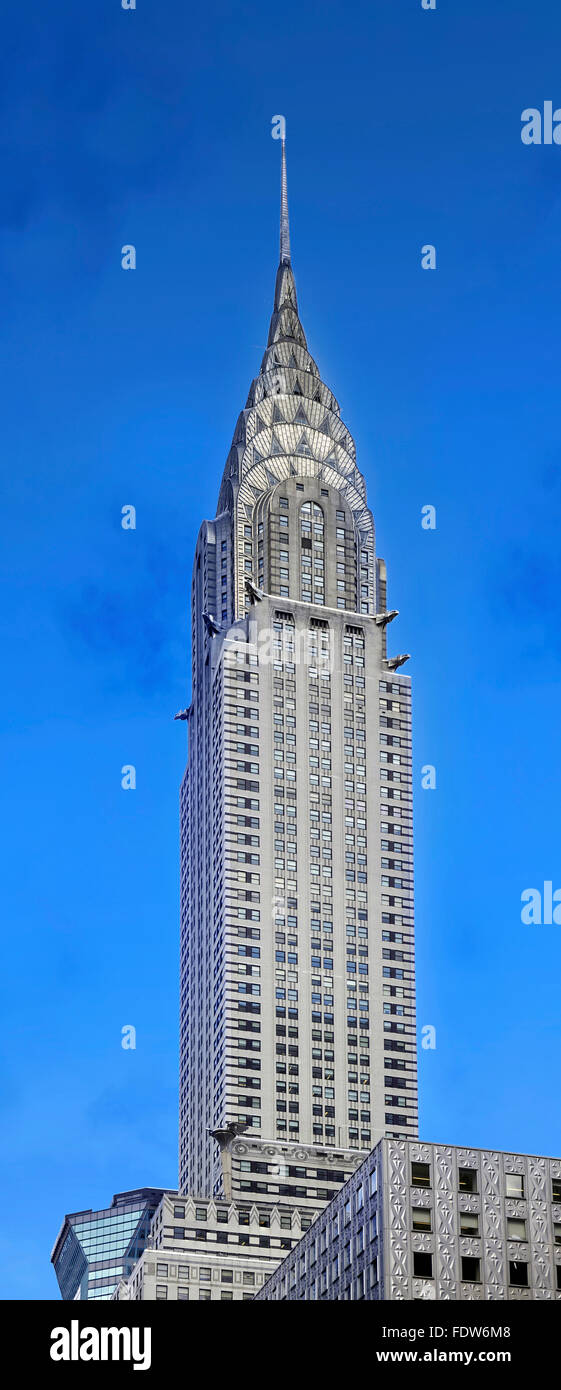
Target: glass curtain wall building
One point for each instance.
(94, 1249)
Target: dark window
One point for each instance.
(556, 1190)
(420, 1174)
(471, 1269)
(467, 1179)
(422, 1265)
(518, 1273)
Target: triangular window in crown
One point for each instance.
(278, 419)
(324, 427)
(300, 417)
(317, 396)
(303, 447)
(297, 389)
(293, 362)
(276, 448)
(257, 457)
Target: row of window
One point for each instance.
(467, 1181)
(203, 1273)
(469, 1222)
(204, 1295)
(470, 1270)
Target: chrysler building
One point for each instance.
(297, 944)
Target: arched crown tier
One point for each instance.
(291, 427)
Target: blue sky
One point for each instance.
(153, 127)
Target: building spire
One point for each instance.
(284, 224)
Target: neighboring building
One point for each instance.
(297, 948)
(302, 1178)
(209, 1249)
(94, 1249)
(431, 1221)
(225, 1249)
